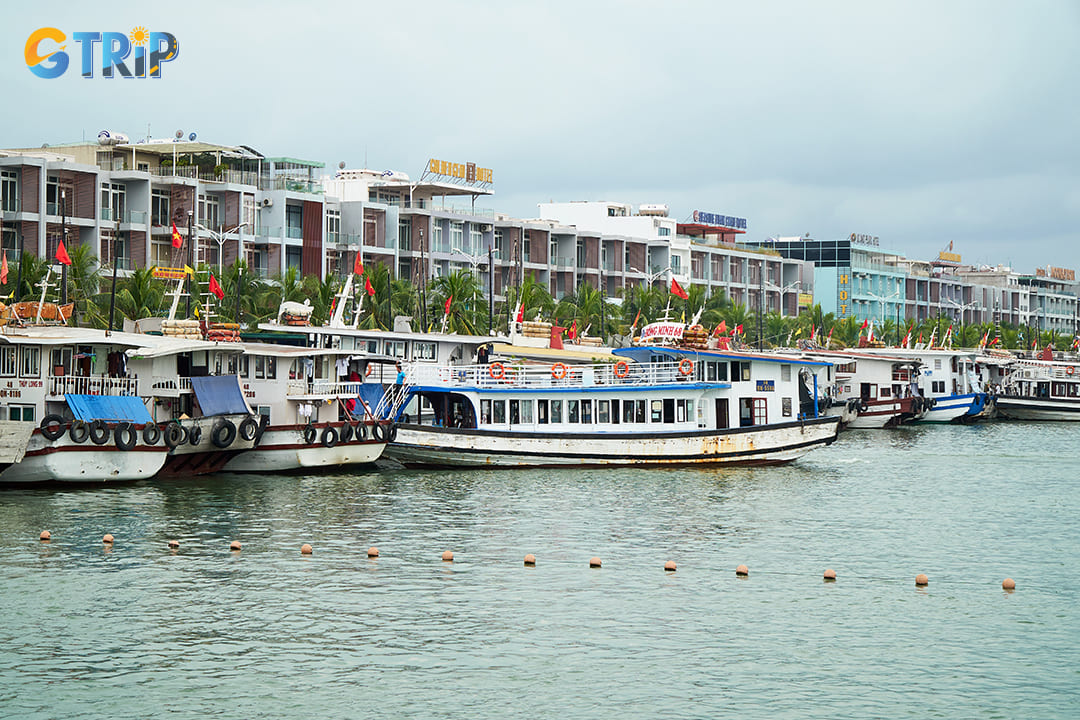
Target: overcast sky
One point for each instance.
(923, 123)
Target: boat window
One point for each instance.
(669, 410)
(526, 412)
(936, 387)
(1074, 390)
(639, 412)
(937, 363)
(542, 412)
(556, 411)
(24, 413)
(260, 367)
(785, 407)
(263, 411)
(1058, 389)
(586, 411)
(423, 350)
(571, 411)
(785, 373)
(603, 411)
(628, 411)
(372, 346)
(230, 365)
(615, 412)
(745, 371)
(656, 411)
(515, 412)
(485, 412)
(29, 361)
(7, 361)
(498, 412)
(271, 368)
(680, 411)
(761, 414)
(753, 411)
(885, 392)
(395, 348)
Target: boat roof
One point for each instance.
(579, 353)
(643, 353)
(924, 352)
(475, 340)
(862, 355)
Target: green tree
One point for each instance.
(140, 295)
(463, 291)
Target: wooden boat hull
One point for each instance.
(283, 448)
(62, 460)
(1025, 408)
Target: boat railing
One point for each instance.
(1030, 370)
(323, 388)
(91, 385)
(496, 375)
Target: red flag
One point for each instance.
(446, 308)
(737, 330)
(636, 318)
(521, 312)
(358, 264)
(4, 269)
(721, 329)
(572, 332)
(371, 290)
(62, 256)
(995, 341)
(177, 238)
(676, 290)
(864, 324)
(215, 288)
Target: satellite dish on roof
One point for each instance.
(191, 137)
(341, 165)
(179, 134)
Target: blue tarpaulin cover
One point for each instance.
(371, 393)
(220, 395)
(113, 408)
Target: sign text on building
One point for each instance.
(949, 257)
(843, 292)
(1056, 273)
(864, 239)
(708, 218)
(463, 171)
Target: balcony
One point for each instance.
(322, 389)
(60, 385)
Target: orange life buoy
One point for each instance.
(686, 366)
(497, 371)
(370, 369)
(622, 369)
(1070, 370)
(558, 370)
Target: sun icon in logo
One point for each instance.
(139, 35)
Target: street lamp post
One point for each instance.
(220, 238)
(881, 301)
(782, 291)
(475, 261)
(962, 308)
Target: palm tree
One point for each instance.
(140, 295)
(84, 285)
(582, 306)
(33, 270)
(535, 297)
(461, 289)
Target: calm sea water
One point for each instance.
(144, 632)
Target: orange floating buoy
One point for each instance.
(107, 539)
(921, 580)
(373, 551)
(1008, 584)
(530, 559)
(742, 571)
(45, 535)
(174, 543)
(235, 545)
(305, 549)
(670, 566)
(448, 556)
(830, 575)
(594, 562)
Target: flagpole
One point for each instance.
(191, 244)
(22, 254)
(112, 293)
(63, 237)
(491, 289)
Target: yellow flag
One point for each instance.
(189, 271)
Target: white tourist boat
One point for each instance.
(314, 409)
(948, 379)
(652, 406)
(871, 391)
(1040, 390)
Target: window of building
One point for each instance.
(144, 167)
(9, 191)
(333, 225)
(553, 252)
(292, 257)
(676, 264)
(580, 253)
(294, 221)
(457, 236)
(476, 239)
(209, 211)
(437, 238)
(404, 234)
(525, 248)
(160, 207)
(663, 231)
(499, 243)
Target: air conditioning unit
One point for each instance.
(267, 202)
(486, 228)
